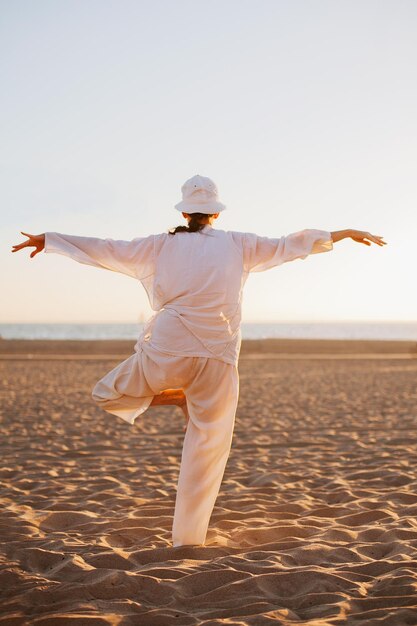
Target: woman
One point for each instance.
(188, 351)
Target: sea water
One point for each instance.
(250, 330)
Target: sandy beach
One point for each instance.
(316, 519)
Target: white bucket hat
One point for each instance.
(199, 195)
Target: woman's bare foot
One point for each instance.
(175, 397)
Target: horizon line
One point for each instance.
(277, 321)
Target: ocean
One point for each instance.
(250, 330)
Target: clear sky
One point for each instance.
(302, 111)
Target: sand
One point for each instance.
(315, 522)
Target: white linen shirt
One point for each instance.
(194, 281)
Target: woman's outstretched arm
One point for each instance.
(262, 253)
(134, 258)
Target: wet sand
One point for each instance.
(316, 519)
(123, 348)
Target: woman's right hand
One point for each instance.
(36, 241)
(362, 236)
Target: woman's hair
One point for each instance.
(194, 224)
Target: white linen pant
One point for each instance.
(211, 388)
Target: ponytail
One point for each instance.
(194, 225)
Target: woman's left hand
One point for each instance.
(37, 241)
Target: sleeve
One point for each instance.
(262, 253)
(134, 258)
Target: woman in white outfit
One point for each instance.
(188, 351)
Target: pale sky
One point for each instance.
(302, 111)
